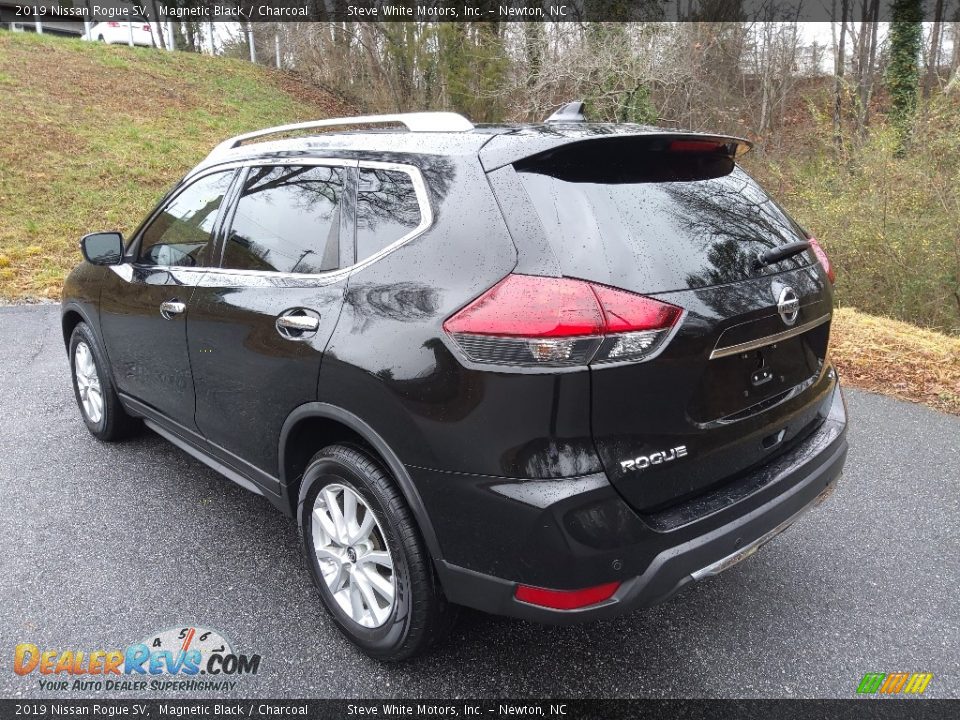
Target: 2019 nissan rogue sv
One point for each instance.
(551, 371)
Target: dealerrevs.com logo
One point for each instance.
(178, 659)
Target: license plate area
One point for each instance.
(733, 383)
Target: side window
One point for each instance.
(179, 234)
(287, 220)
(387, 209)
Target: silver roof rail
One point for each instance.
(415, 122)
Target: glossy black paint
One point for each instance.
(513, 474)
(148, 352)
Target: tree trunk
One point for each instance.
(954, 84)
(838, 76)
(159, 24)
(869, 31)
(933, 57)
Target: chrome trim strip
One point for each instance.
(743, 553)
(769, 339)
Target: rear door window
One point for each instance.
(388, 209)
(287, 220)
(656, 223)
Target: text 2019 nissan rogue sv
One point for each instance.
(553, 371)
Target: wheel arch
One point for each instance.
(333, 424)
(71, 317)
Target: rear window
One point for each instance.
(655, 221)
(387, 210)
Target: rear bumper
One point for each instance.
(578, 533)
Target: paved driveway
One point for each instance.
(104, 544)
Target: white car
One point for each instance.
(118, 33)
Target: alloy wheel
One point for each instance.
(353, 556)
(88, 382)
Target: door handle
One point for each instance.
(170, 308)
(303, 323)
(298, 324)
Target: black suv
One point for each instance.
(552, 371)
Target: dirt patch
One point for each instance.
(301, 90)
(896, 358)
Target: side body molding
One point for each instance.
(397, 468)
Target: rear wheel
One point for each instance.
(367, 559)
(99, 404)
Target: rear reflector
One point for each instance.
(553, 322)
(566, 599)
(822, 257)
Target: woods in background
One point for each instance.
(857, 125)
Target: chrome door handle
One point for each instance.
(303, 323)
(170, 308)
(298, 323)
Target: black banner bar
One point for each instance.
(442, 10)
(875, 709)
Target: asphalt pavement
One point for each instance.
(104, 544)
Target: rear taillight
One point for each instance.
(146, 28)
(822, 257)
(113, 24)
(566, 599)
(555, 322)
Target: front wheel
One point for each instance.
(98, 401)
(373, 572)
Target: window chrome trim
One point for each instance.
(769, 339)
(419, 186)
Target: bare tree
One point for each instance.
(839, 66)
(932, 78)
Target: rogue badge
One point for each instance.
(657, 458)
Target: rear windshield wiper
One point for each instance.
(781, 252)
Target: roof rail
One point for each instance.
(415, 122)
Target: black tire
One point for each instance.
(114, 423)
(420, 616)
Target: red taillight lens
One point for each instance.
(529, 306)
(146, 28)
(625, 311)
(113, 24)
(566, 599)
(545, 321)
(822, 257)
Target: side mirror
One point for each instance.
(102, 248)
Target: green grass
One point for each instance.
(94, 135)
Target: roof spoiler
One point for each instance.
(414, 122)
(510, 148)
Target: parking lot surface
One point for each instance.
(103, 545)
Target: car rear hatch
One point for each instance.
(741, 375)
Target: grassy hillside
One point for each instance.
(94, 135)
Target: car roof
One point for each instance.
(495, 144)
